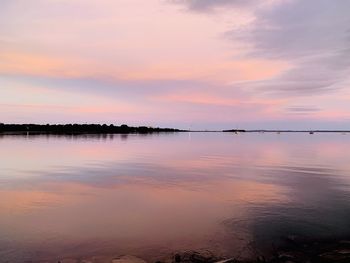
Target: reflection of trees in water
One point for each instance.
(80, 136)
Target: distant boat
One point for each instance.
(311, 132)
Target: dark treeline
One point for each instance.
(79, 129)
(234, 130)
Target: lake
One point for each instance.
(153, 195)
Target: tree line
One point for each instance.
(79, 128)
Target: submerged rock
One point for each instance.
(128, 259)
(229, 260)
(195, 257)
(68, 260)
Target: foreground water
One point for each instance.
(152, 195)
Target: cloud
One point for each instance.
(209, 5)
(308, 78)
(170, 102)
(302, 109)
(314, 36)
(298, 29)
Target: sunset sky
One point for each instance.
(199, 64)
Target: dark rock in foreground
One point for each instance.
(295, 250)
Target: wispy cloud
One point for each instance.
(210, 5)
(302, 109)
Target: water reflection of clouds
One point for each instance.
(317, 208)
(211, 187)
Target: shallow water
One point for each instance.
(151, 195)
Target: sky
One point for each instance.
(193, 64)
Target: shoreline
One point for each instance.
(81, 129)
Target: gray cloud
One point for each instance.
(209, 5)
(307, 78)
(311, 77)
(301, 28)
(312, 35)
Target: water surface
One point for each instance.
(151, 195)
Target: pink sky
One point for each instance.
(179, 63)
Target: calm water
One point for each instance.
(152, 195)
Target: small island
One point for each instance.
(235, 130)
(80, 129)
